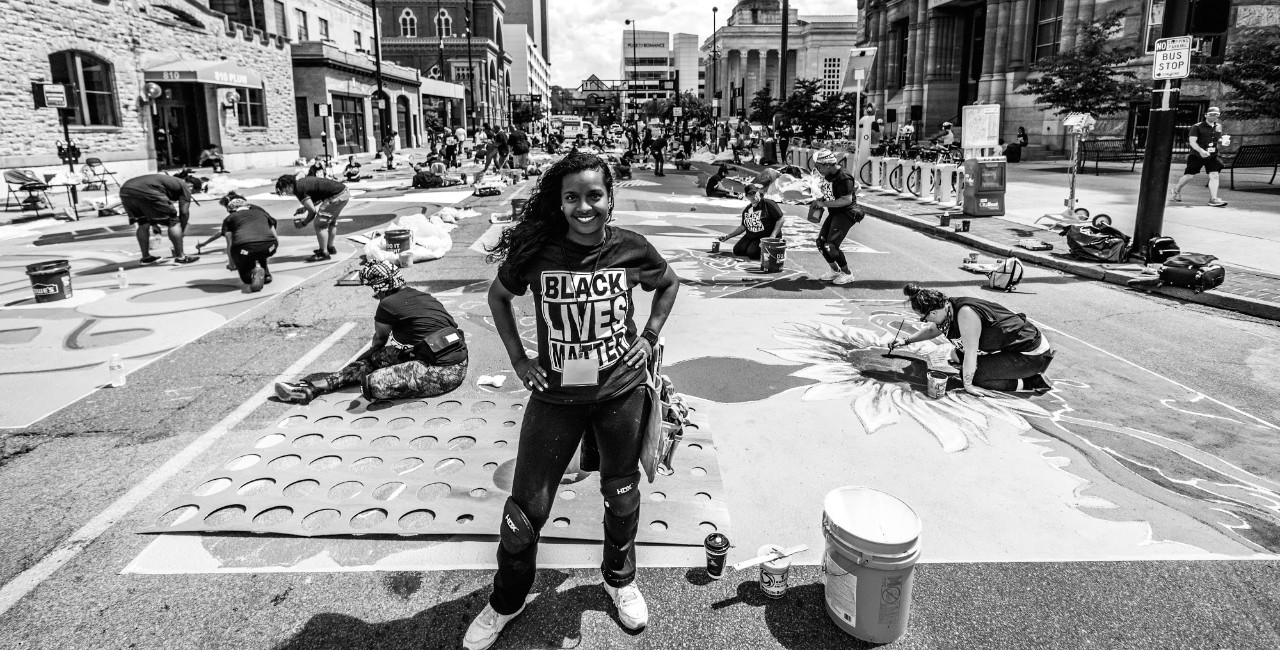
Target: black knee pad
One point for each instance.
(621, 494)
(517, 533)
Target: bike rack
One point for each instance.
(947, 188)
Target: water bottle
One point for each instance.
(115, 370)
(157, 242)
(122, 280)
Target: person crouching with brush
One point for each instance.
(251, 240)
(587, 378)
(997, 349)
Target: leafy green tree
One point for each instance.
(763, 106)
(1086, 79)
(696, 109)
(561, 100)
(1252, 72)
(803, 106)
(527, 112)
(838, 110)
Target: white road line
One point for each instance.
(1172, 381)
(25, 582)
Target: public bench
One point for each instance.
(1108, 151)
(1254, 155)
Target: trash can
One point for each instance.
(50, 281)
(873, 542)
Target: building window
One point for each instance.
(282, 29)
(899, 32)
(359, 40)
(93, 87)
(304, 120)
(300, 23)
(324, 29)
(444, 24)
(830, 76)
(348, 124)
(251, 109)
(408, 24)
(1155, 23)
(1048, 29)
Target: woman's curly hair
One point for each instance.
(541, 220)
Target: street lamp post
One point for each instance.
(782, 60)
(377, 66)
(715, 65)
(471, 68)
(634, 75)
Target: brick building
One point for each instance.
(218, 82)
(939, 55)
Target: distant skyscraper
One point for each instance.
(684, 57)
(532, 14)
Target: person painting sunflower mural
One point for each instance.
(587, 378)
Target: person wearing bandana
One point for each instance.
(996, 348)
(414, 320)
(251, 240)
(587, 378)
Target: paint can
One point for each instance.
(973, 258)
(50, 281)
(398, 240)
(715, 246)
(773, 254)
(873, 542)
(717, 546)
(945, 219)
(405, 258)
(773, 574)
(964, 225)
(937, 384)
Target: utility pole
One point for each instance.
(782, 58)
(1159, 148)
(471, 66)
(634, 76)
(715, 65)
(377, 66)
(439, 22)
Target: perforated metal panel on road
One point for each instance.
(344, 466)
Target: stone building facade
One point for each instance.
(110, 50)
(743, 56)
(940, 55)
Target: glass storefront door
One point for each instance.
(348, 124)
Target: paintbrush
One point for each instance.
(894, 343)
(776, 555)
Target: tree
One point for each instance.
(696, 109)
(838, 110)
(1252, 72)
(1087, 79)
(656, 108)
(763, 106)
(802, 106)
(561, 100)
(527, 112)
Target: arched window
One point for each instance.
(408, 24)
(93, 101)
(434, 72)
(444, 24)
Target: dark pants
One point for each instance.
(748, 246)
(451, 156)
(441, 379)
(1002, 370)
(831, 236)
(658, 162)
(250, 255)
(548, 439)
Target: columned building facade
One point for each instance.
(938, 56)
(744, 55)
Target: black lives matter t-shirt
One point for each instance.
(834, 188)
(760, 219)
(584, 309)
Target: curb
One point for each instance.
(1220, 300)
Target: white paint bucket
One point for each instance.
(873, 542)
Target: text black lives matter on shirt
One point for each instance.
(585, 315)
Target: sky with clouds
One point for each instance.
(586, 35)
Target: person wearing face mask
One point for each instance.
(586, 380)
(423, 332)
(996, 348)
(251, 240)
(1205, 138)
(761, 218)
(838, 197)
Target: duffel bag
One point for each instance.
(1190, 260)
(1200, 279)
(1097, 243)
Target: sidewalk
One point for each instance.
(1245, 235)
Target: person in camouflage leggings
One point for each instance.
(402, 368)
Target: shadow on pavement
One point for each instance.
(798, 621)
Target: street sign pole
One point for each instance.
(1158, 154)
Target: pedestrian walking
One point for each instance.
(1205, 138)
(519, 142)
(149, 201)
(839, 200)
(760, 219)
(587, 379)
(1009, 353)
(659, 148)
(409, 326)
(250, 234)
(322, 202)
(460, 134)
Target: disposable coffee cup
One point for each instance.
(717, 546)
(937, 384)
(1226, 140)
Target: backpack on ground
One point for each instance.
(1097, 243)
(1195, 271)
(1007, 275)
(1160, 249)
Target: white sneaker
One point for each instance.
(485, 629)
(632, 610)
(842, 278)
(829, 276)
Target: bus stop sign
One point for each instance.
(1172, 58)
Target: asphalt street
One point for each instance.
(1117, 348)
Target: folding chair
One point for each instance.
(95, 172)
(25, 180)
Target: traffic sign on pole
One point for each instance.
(1172, 58)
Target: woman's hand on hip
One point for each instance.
(638, 355)
(531, 375)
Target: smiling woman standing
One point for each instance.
(587, 378)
